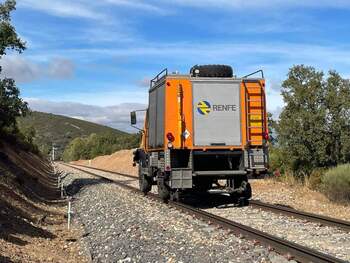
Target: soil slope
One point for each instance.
(32, 223)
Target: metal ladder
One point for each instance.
(255, 106)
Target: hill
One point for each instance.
(60, 130)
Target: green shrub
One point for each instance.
(336, 183)
(314, 180)
(276, 160)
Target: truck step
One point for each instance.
(254, 93)
(255, 107)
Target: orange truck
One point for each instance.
(204, 130)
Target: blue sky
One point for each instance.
(92, 59)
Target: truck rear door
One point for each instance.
(216, 112)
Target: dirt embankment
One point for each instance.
(32, 222)
(120, 162)
(267, 190)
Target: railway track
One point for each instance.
(291, 249)
(333, 222)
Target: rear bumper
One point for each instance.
(219, 173)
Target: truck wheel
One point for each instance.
(248, 191)
(145, 182)
(242, 191)
(163, 188)
(212, 71)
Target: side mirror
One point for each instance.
(133, 118)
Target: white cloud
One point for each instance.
(135, 4)
(20, 69)
(63, 8)
(274, 85)
(261, 4)
(116, 116)
(24, 70)
(61, 68)
(95, 10)
(144, 83)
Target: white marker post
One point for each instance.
(69, 213)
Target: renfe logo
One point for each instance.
(204, 107)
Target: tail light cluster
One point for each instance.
(170, 137)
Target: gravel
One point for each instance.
(329, 240)
(121, 226)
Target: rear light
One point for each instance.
(170, 137)
(266, 136)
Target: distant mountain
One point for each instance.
(60, 130)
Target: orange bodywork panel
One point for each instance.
(178, 96)
(178, 115)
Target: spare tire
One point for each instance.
(212, 71)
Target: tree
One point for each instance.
(11, 105)
(313, 130)
(337, 103)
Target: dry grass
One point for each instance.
(293, 193)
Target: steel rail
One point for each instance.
(345, 225)
(325, 220)
(101, 170)
(295, 251)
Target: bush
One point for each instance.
(336, 183)
(314, 180)
(276, 160)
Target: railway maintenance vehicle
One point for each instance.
(203, 130)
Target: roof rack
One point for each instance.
(161, 75)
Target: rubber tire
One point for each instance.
(212, 71)
(248, 192)
(145, 182)
(243, 198)
(163, 190)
